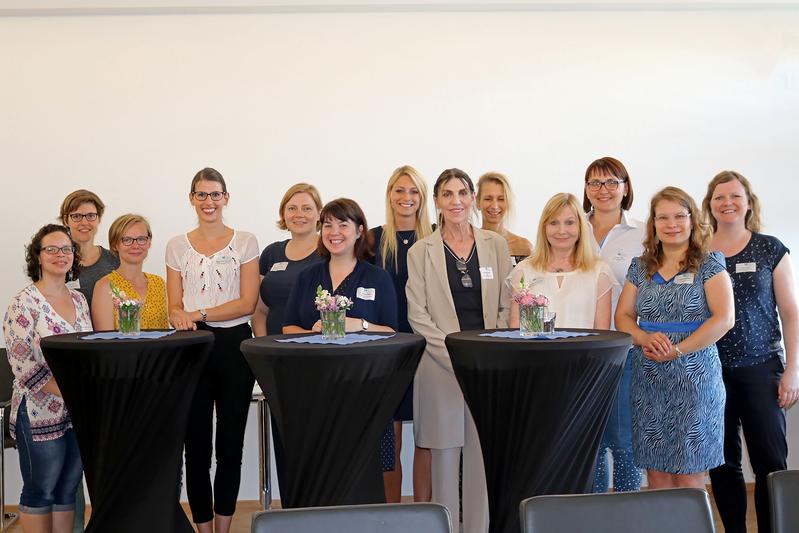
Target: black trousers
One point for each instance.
(751, 406)
(226, 385)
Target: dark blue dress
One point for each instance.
(678, 406)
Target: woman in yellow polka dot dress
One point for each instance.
(129, 237)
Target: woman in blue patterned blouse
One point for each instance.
(759, 383)
(676, 303)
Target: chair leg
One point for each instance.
(264, 470)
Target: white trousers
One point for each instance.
(445, 466)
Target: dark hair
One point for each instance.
(346, 209)
(208, 174)
(611, 167)
(449, 174)
(32, 251)
(75, 199)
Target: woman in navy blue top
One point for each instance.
(407, 221)
(761, 379)
(345, 244)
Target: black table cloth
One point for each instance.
(129, 402)
(330, 404)
(540, 407)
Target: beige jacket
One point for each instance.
(438, 405)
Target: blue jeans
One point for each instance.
(618, 439)
(50, 469)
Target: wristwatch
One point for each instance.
(364, 325)
(204, 314)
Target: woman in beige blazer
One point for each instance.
(455, 283)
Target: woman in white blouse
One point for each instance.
(212, 284)
(565, 268)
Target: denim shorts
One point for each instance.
(51, 470)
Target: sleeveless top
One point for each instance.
(153, 312)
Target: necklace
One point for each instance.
(405, 236)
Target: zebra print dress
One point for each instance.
(678, 406)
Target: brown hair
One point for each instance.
(32, 251)
(752, 219)
(346, 209)
(298, 188)
(612, 168)
(75, 199)
(121, 225)
(208, 174)
(697, 244)
(450, 174)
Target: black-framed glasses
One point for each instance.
(77, 217)
(202, 195)
(463, 268)
(53, 250)
(141, 240)
(610, 185)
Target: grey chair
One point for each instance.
(783, 489)
(6, 389)
(378, 518)
(653, 511)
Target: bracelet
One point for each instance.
(678, 351)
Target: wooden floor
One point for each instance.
(245, 509)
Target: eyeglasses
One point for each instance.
(53, 250)
(77, 217)
(202, 195)
(463, 268)
(141, 240)
(610, 185)
(679, 217)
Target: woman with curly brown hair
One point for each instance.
(676, 303)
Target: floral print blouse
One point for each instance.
(29, 318)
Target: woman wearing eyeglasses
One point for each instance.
(495, 200)
(81, 212)
(565, 268)
(455, 283)
(212, 284)
(761, 379)
(129, 238)
(676, 303)
(49, 459)
(607, 197)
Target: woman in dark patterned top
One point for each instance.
(759, 383)
(407, 221)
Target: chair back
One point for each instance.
(378, 518)
(653, 511)
(783, 489)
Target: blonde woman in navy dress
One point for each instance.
(407, 221)
(761, 378)
(676, 303)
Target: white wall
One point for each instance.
(131, 106)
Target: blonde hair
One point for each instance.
(697, 244)
(584, 256)
(298, 188)
(388, 242)
(121, 225)
(752, 219)
(502, 180)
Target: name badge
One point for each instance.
(486, 272)
(365, 294)
(684, 279)
(74, 284)
(278, 267)
(745, 267)
(620, 256)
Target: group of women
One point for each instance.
(707, 359)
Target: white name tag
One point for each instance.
(745, 267)
(74, 284)
(620, 256)
(684, 279)
(223, 259)
(277, 267)
(486, 272)
(365, 294)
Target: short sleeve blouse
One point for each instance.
(209, 281)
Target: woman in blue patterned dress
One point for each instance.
(761, 378)
(676, 303)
